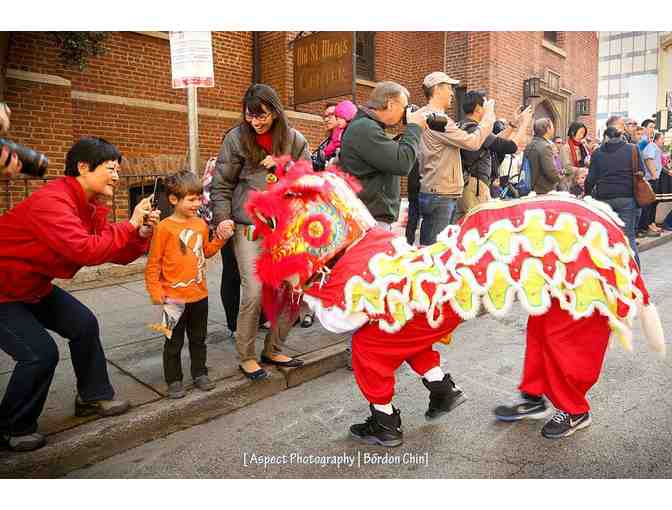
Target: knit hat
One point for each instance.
(345, 110)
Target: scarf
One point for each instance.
(265, 141)
(578, 152)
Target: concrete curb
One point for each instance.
(665, 238)
(102, 438)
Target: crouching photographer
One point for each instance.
(52, 234)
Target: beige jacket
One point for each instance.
(442, 171)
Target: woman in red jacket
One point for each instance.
(52, 234)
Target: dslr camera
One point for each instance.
(435, 121)
(33, 162)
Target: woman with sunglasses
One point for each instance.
(245, 163)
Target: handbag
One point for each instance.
(644, 194)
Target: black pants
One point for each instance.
(24, 337)
(413, 217)
(229, 289)
(194, 321)
(649, 212)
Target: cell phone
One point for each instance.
(153, 201)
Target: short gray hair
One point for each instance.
(541, 126)
(383, 92)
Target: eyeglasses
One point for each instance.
(261, 117)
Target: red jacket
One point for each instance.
(52, 234)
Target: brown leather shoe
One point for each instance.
(101, 407)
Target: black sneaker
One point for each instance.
(444, 396)
(380, 428)
(529, 407)
(564, 424)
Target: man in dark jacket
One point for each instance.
(610, 180)
(376, 160)
(540, 155)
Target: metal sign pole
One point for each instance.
(192, 111)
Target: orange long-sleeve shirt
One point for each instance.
(176, 263)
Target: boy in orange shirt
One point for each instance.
(175, 274)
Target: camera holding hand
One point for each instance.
(33, 162)
(435, 121)
(14, 156)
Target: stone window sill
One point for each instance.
(553, 48)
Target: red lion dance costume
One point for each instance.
(566, 261)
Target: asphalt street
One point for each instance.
(303, 432)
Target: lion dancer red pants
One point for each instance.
(377, 355)
(563, 357)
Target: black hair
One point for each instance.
(646, 122)
(471, 100)
(574, 128)
(90, 150)
(657, 135)
(613, 132)
(183, 183)
(256, 96)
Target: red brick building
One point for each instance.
(126, 97)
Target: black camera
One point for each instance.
(435, 121)
(33, 163)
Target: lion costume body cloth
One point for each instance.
(566, 261)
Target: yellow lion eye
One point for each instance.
(315, 229)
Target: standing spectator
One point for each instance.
(175, 278)
(52, 234)
(377, 161)
(610, 180)
(649, 126)
(478, 164)
(329, 118)
(652, 155)
(573, 154)
(246, 163)
(578, 188)
(637, 135)
(540, 156)
(630, 125)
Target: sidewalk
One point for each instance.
(134, 355)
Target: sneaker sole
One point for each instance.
(175, 396)
(582, 425)
(375, 441)
(532, 416)
(440, 412)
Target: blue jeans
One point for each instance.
(24, 337)
(437, 213)
(413, 218)
(628, 210)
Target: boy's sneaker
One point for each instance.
(176, 390)
(203, 383)
(564, 424)
(25, 443)
(100, 407)
(380, 428)
(529, 407)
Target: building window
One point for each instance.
(365, 55)
(551, 37)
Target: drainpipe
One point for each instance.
(256, 60)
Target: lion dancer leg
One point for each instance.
(563, 360)
(377, 355)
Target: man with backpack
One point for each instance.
(539, 155)
(481, 166)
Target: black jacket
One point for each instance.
(378, 162)
(610, 173)
(484, 162)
